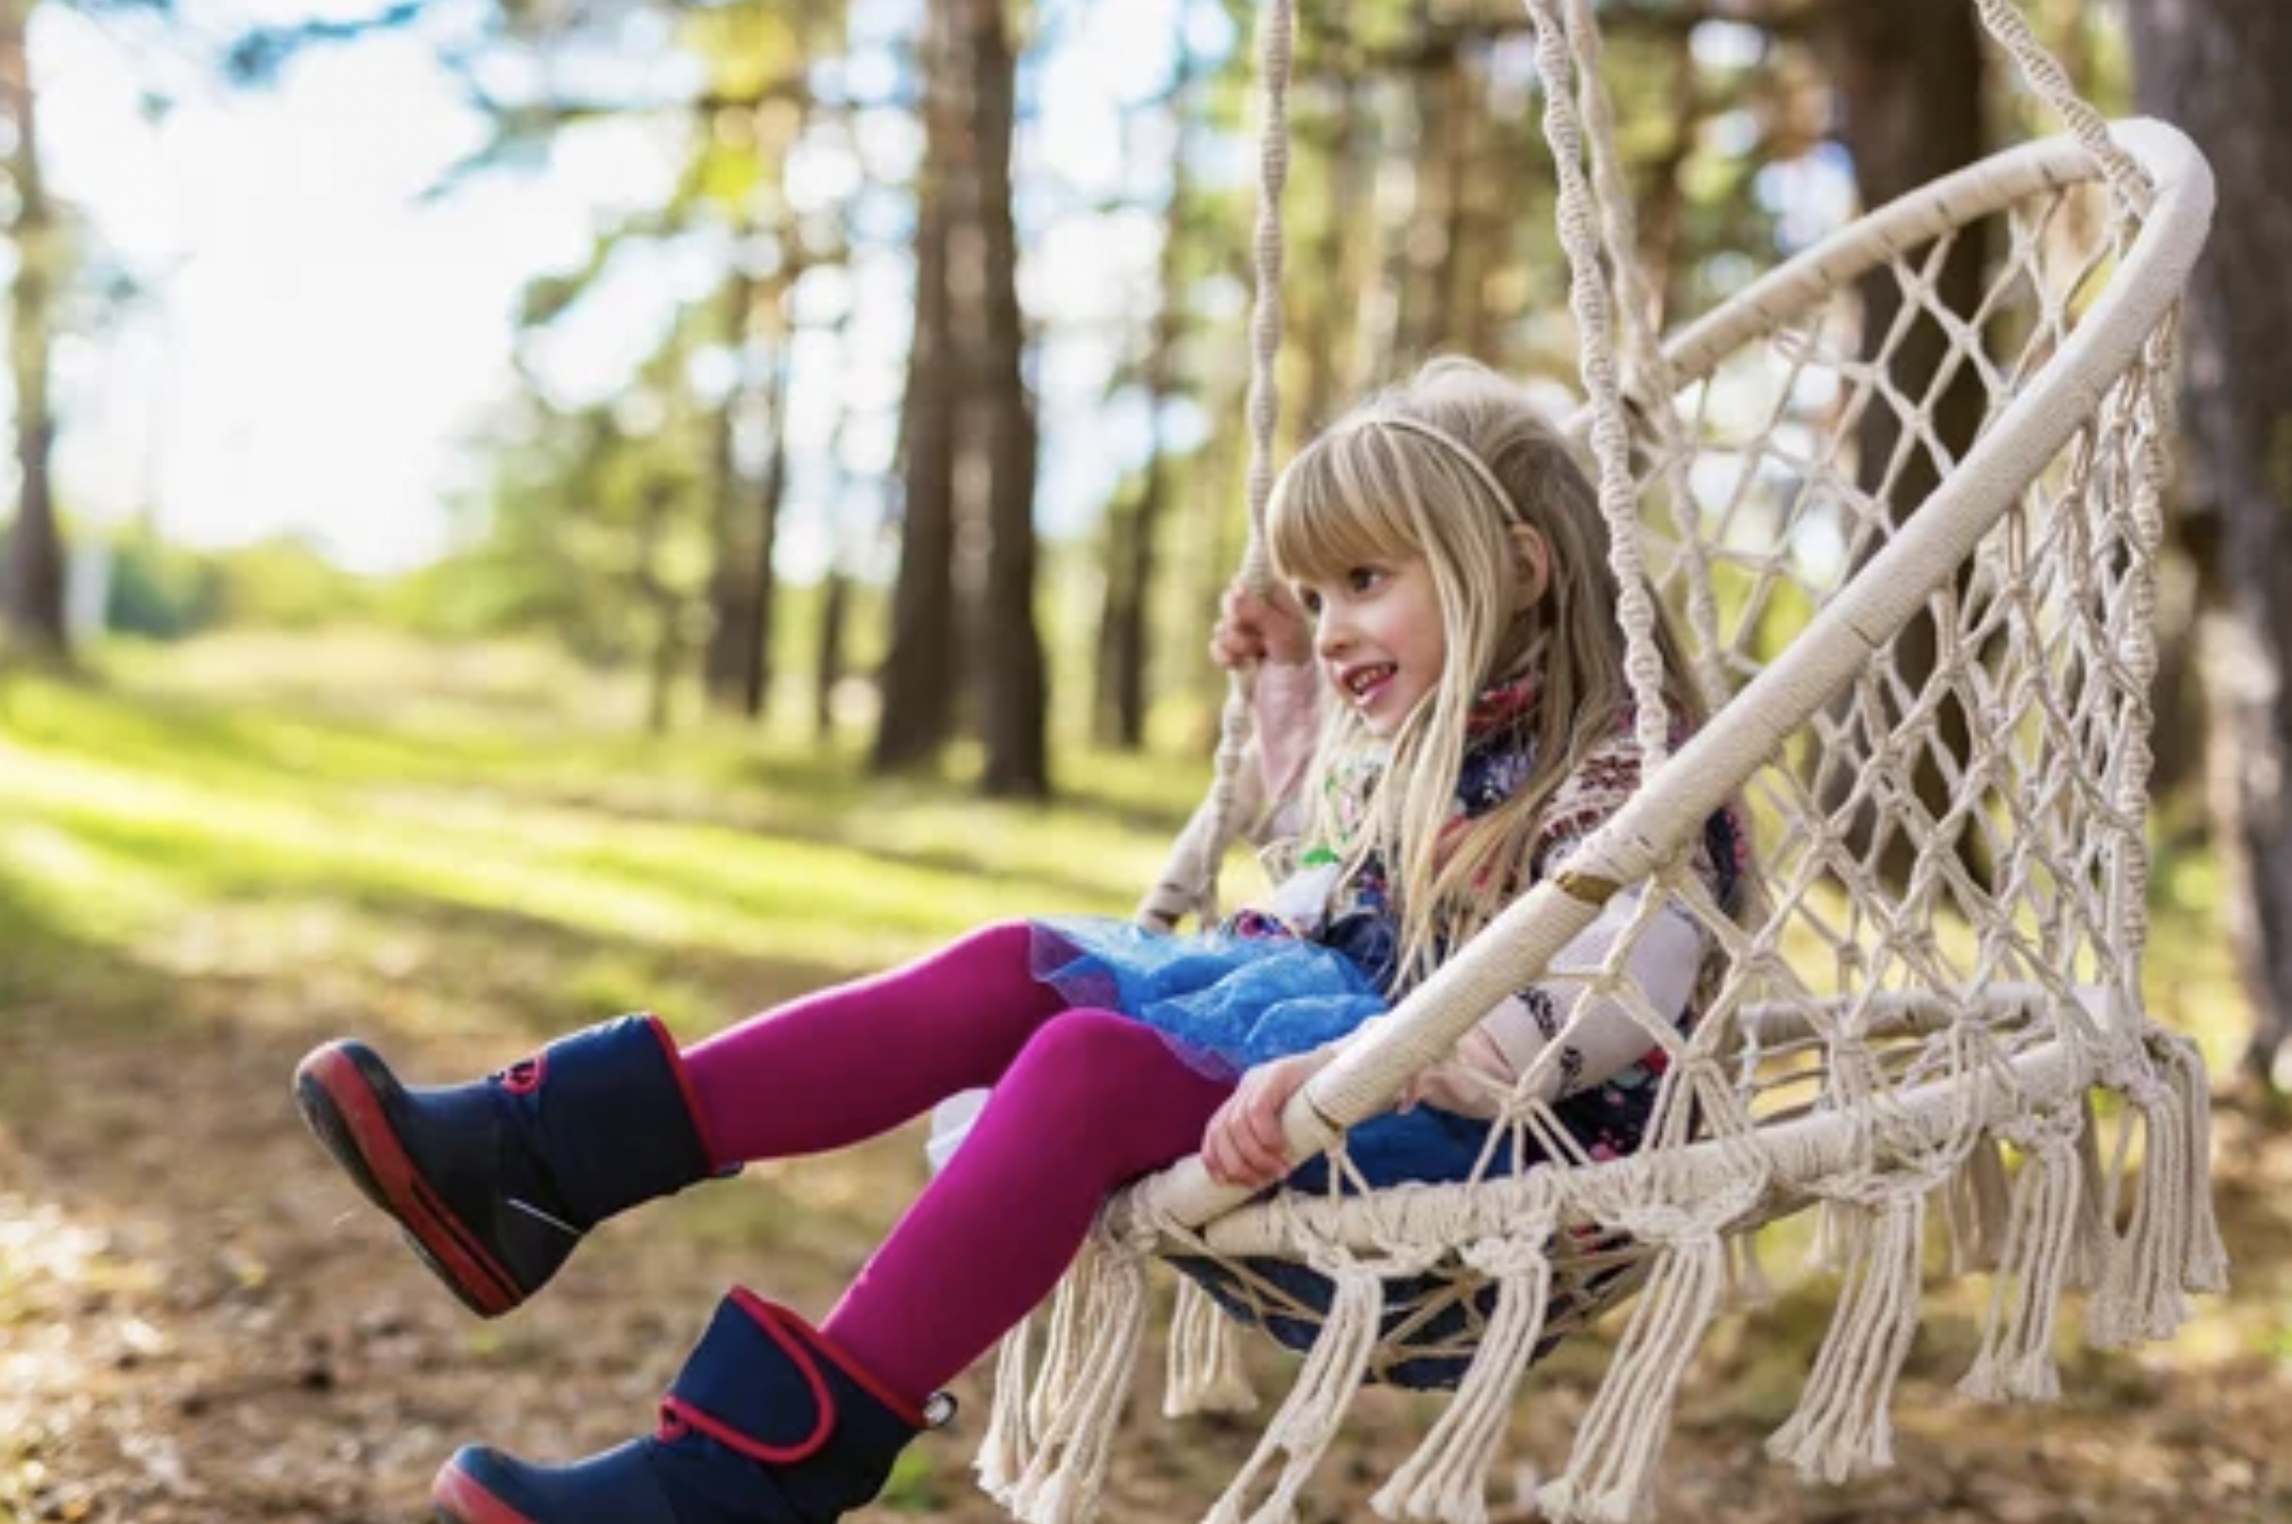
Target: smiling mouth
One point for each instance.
(1363, 682)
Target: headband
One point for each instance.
(1464, 454)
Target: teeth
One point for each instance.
(1365, 679)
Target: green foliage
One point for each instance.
(590, 527)
(162, 591)
(285, 584)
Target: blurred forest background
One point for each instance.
(825, 563)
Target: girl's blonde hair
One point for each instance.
(1445, 466)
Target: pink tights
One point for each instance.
(1083, 1101)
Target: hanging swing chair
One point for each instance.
(1872, 1043)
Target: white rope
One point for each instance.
(1189, 885)
(1859, 1041)
(2051, 81)
(1589, 299)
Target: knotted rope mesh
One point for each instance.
(1935, 714)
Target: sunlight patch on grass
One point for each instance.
(443, 871)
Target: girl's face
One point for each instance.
(1378, 635)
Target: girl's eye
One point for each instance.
(1309, 600)
(1361, 578)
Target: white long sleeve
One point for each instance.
(1599, 1039)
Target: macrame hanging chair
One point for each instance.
(1871, 1046)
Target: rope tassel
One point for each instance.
(2172, 1245)
(1447, 1477)
(2015, 1362)
(1009, 1444)
(1747, 1283)
(1977, 1204)
(1842, 1422)
(1301, 1431)
(2097, 1205)
(1206, 1374)
(1611, 1474)
(1077, 1401)
(2203, 1257)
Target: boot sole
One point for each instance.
(339, 1091)
(456, 1497)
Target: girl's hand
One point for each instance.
(1271, 634)
(1260, 631)
(1243, 1144)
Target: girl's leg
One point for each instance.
(862, 1058)
(1095, 1099)
(771, 1422)
(495, 1181)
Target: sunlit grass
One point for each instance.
(290, 824)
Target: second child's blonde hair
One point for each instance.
(1445, 466)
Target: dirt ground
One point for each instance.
(201, 1324)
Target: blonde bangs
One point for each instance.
(1342, 503)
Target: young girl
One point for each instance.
(1448, 610)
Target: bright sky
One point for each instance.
(319, 339)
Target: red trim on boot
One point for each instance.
(489, 1288)
(805, 1346)
(461, 1498)
(675, 1057)
(772, 1313)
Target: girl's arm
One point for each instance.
(1270, 634)
(1243, 1144)
(1605, 1038)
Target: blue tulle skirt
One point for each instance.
(1226, 1001)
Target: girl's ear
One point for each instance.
(1534, 554)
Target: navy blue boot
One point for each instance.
(767, 1423)
(496, 1181)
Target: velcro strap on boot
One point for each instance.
(616, 1118)
(767, 1384)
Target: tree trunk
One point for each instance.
(1014, 687)
(1427, 321)
(828, 670)
(1125, 643)
(1327, 320)
(764, 582)
(920, 672)
(1909, 80)
(1662, 209)
(2217, 68)
(730, 597)
(35, 593)
(668, 641)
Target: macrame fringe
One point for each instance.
(1206, 1374)
(1054, 1467)
(1842, 1424)
(1748, 1288)
(1008, 1444)
(2015, 1362)
(1835, 1244)
(2204, 1256)
(1066, 1345)
(1976, 1204)
(1307, 1420)
(1447, 1477)
(1611, 1473)
(2096, 1205)
(2172, 1245)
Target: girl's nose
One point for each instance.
(1331, 636)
